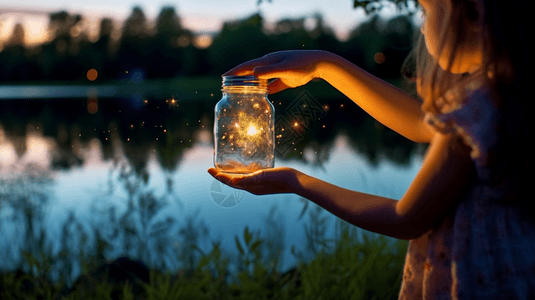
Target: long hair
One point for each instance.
(509, 67)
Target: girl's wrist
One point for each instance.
(292, 180)
(298, 185)
(325, 63)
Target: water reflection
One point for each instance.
(169, 126)
(132, 179)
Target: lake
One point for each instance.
(137, 157)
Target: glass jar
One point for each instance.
(244, 126)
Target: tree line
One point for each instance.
(167, 49)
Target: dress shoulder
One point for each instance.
(469, 110)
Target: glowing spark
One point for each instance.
(252, 130)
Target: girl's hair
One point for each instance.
(509, 66)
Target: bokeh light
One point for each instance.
(379, 57)
(202, 42)
(92, 74)
(92, 105)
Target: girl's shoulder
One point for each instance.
(469, 109)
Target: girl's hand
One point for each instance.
(262, 182)
(292, 68)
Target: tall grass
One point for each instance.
(354, 265)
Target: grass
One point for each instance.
(354, 265)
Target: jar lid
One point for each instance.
(249, 80)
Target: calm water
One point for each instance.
(60, 158)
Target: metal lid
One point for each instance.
(249, 80)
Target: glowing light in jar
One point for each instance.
(252, 130)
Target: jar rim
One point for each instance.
(247, 80)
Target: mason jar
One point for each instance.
(244, 126)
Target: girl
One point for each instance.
(471, 234)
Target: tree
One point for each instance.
(291, 34)
(133, 49)
(371, 6)
(168, 24)
(105, 31)
(14, 65)
(323, 36)
(61, 25)
(58, 57)
(237, 42)
(167, 45)
(17, 37)
(364, 42)
(399, 37)
(135, 26)
(103, 50)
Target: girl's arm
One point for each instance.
(436, 189)
(387, 104)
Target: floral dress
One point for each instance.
(481, 250)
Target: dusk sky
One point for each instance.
(199, 16)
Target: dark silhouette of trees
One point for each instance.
(291, 34)
(323, 36)
(61, 59)
(12, 56)
(372, 6)
(364, 42)
(399, 38)
(168, 45)
(17, 38)
(237, 42)
(133, 50)
(168, 50)
(103, 50)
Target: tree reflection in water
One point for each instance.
(168, 127)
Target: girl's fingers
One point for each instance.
(269, 71)
(240, 70)
(247, 67)
(234, 179)
(212, 171)
(245, 180)
(276, 86)
(219, 176)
